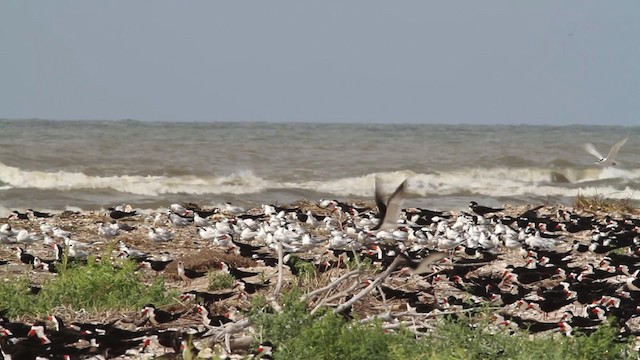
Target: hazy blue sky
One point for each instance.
(534, 62)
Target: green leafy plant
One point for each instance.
(93, 286)
(220, 280)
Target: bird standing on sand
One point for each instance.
(610, 158)
(157, 316)
(482, 210)
(159, 234)
(188, 274)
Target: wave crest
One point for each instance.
(497, 181)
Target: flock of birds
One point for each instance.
(576, 269)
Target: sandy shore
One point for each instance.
(431, 287)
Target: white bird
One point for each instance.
(48, 240)
(57, 232)
(6, 230)
(250, 223)
(25, 237)
(160, 234)
(199, 221)
(208, 233)
(179, 221)
(610, 158)
(46, 228)
(268, 209)
(107, 230)
(159, 220)
(78, 244)
(223, 226)
(76, 253)
(247, 234)
(130, 252)
(232, 209)
(178, 209)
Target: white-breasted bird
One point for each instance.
(610, 158)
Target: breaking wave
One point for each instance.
(497, 181)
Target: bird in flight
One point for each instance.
(389, 211)
(610, 158)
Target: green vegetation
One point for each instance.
(220, 280)
(93, 286)
(299, 335)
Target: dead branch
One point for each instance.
(332, 285)
(371, 286)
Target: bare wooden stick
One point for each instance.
(227, 343)
(331, 285)
(343, 293)
(328, 298)
(276, 291)
(219, 333)
(384, 299)
(371, 286)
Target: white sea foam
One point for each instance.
(237, 183)
(497, 181)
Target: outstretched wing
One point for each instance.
(380, 202)
(432, 258)
(614, 150)
(592, 150)
(394, 207)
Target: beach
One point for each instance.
(445, 286)
(303, 198)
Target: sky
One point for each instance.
(456, 62)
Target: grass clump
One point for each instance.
(600, 202)
(300, 335)
(93, 286)
(220, 280)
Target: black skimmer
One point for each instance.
(265, 348)
(17, 215)
(482, 210)
(38, 214)
(118, 214)
(483, 286)
(207, 298)
(389, 211)
(24, 257)
(210, 320)
(579, 321)
(246, 250)
(45, 265)
(206, 213)
(610, 158)
(250, 288)
(235, 272)
(533, 326)
(528, 275)
(155, 265)
(157, 316)
(188, 274)
(62, 333)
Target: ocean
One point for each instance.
(90, 165)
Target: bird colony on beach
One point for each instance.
(541, 268)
